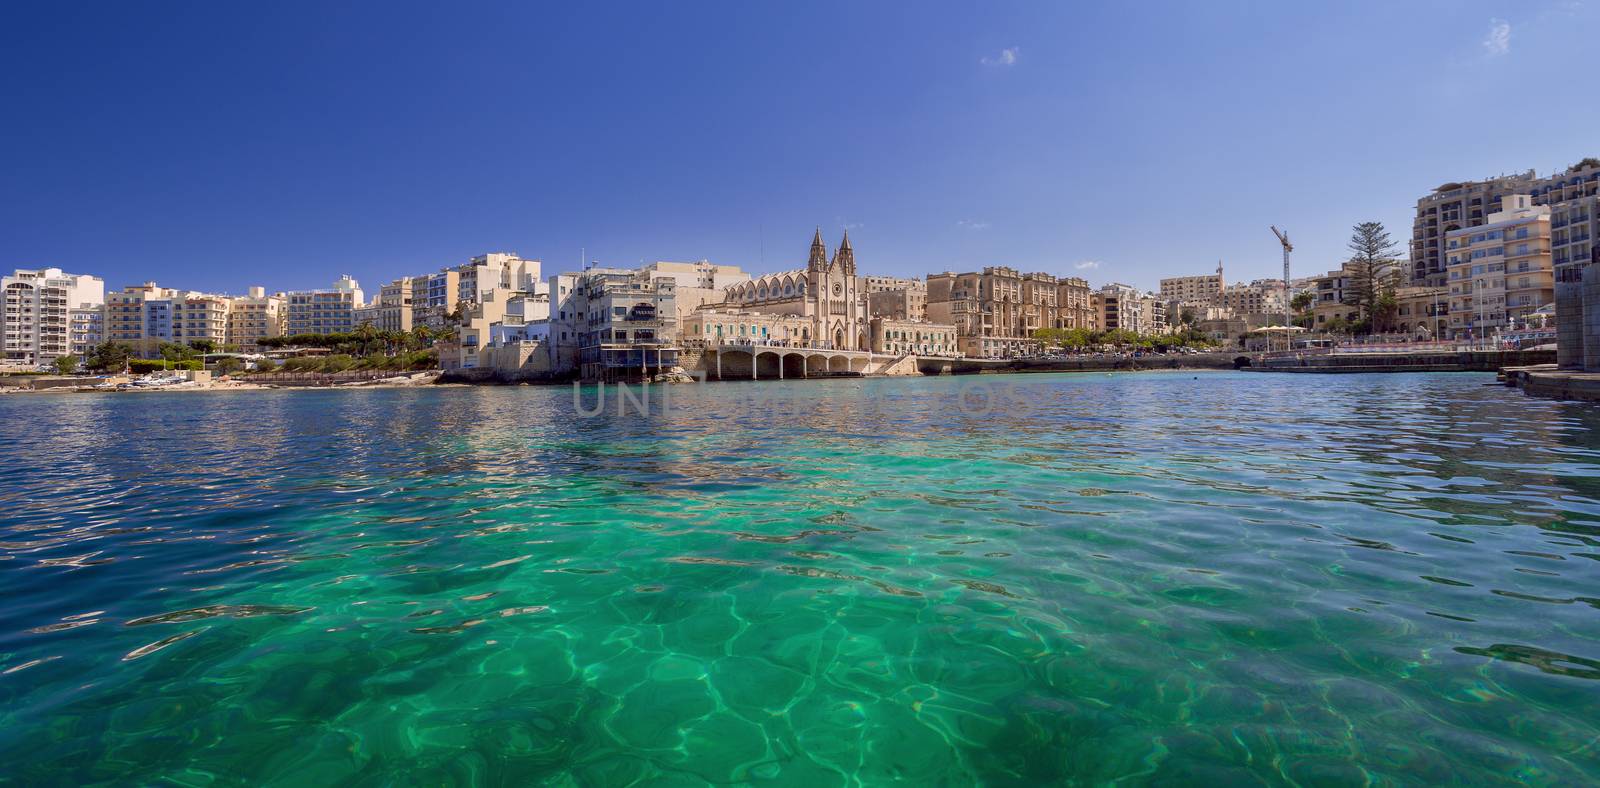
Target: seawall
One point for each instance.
(1463, 361)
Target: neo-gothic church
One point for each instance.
(826, 291)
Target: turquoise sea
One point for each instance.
(1011, 580)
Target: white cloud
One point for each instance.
(972, 225)
(1087, 265)
(1007, 57)
(1498, 41)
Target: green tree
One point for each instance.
(1372, 273)
(109, 357)
(66, 365)
(1302, 301)
(229, 365)
(172, 351)
(1585, 163)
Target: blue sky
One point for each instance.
(217, 145)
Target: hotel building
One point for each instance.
(254, 317)
(330, 311)
(1500, 270)
(1452, 207)
(49, 314)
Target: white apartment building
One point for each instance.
(49, 314)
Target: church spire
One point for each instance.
(819, 252)
(846, 256)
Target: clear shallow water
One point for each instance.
(1156, 577)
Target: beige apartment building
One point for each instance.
(1075, 305)
(1422, 311)
(1039, 302)
(1500, 270)
(1452, 207)
(49, 313)
(1193, 289)
(732, 326)
(254, 317)
(881, 284)
(200, 317)
(398, 302)
(146, 315)
(904, 304)
(991, 316)
(1254, 299)
(1328, 300)
(699, 283)
(914, 337)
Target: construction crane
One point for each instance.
(1283, 238)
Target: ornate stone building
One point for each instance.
(826, 292)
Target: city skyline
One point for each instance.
(1033, 137)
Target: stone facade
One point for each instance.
(826, 293)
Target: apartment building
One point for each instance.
(1193, 289)
(698, 284)
(1500, 270)
(1574, 200)
(900, 337)
(200, 318)
(396, 306)
(1252, 299)
(1422, 311)
(1039, 303)
(435, 299)
(255, 316)
(906, 303)
(49, 313)
(502, 270)
(144, 316)
(627, 324)
(882, 284)
(1452, 207)
(1328, 299)
(1124, 307)
(702, 274)
(1075, 306)
(987, 309)
(329, 311)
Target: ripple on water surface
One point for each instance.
(1017, 580)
